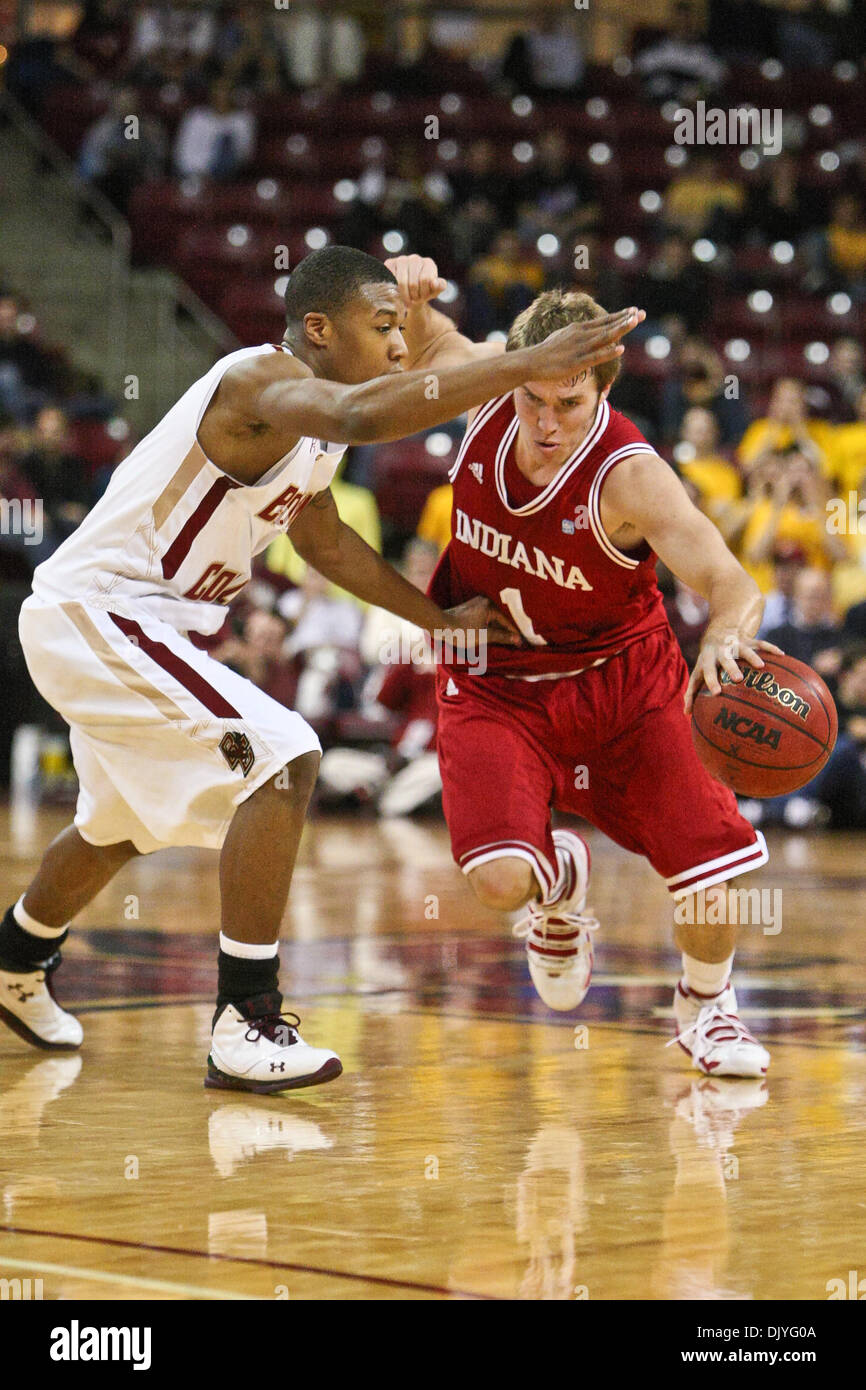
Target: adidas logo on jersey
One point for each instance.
(477, 471)
(451, 688)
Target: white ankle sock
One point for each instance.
(702, 977)
(247, 951)
(563, 879)
(28, 923)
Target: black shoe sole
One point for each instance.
(18, 1026)
(220, 1081)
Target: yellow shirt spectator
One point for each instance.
(435, 522)
(715, 478)
(803, 529)
(770, 434)
(849, 455)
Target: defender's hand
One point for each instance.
(477, 620)
(418, 279)
(580, 346)
(723, 653)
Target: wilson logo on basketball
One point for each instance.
(763, 683)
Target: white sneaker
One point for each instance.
(558, 941)
(28, 1007)
(255, 1046)
(718, 1043)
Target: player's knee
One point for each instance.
(297, 779)
(503, 884)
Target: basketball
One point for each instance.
(768, 734)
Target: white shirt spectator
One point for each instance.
(179, 31)
(556, 60)
(201, 132)
(319, 622)
(318, 47)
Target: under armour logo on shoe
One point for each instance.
(278, 1066)
(477, 471)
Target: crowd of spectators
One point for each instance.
(768, 463)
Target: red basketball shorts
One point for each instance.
(612, 745)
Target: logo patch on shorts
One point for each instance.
(237, 751)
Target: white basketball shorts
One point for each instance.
(166, 741)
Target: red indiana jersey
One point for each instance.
(540, 554)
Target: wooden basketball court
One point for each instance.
(476, 1146)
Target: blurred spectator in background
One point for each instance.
(434, 524)
(58, 476)
(849, 448)
(323, 639)
(680, 65)
(168, 30)
(216, 139)
(788, 560)
(787, 501)
(841, 785)
(116, 155)
(673, 283)
(808, 36)
(703, 201)
(479, 176)
(555, 195)
(787, 426)
(842, 392)
(103, 36)
(546, 61)
(320, 47)
(259, 654)
(27, 372)
(698, 378)
(247, 51)
(501, 284)
(813, 626)
(697, 457)
(383, 632)
(837, 254)
(778, 206)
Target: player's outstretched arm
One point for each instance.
(644, 494)
(339, 553)
(402, 403)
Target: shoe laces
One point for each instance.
(277, 1026)
(537, 920)
(714, 1027)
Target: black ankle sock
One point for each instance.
(240, 978)
(21, 950)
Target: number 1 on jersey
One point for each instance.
(513, 601)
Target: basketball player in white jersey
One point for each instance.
(172, 748)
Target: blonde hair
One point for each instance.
(555, 309)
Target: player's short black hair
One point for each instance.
(327, 280)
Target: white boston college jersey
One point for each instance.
(174, 536)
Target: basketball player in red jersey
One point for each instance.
(560, 510)
(172, 748)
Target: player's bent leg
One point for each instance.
(33, 930)
(255, 1043)
(708, 1026)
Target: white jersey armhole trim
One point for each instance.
(484, 414)
(275, 468)
(619, 557)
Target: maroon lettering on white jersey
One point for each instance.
(547, 562)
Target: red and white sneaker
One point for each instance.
(256, 1046)
(717, 1041)
(558, 940)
